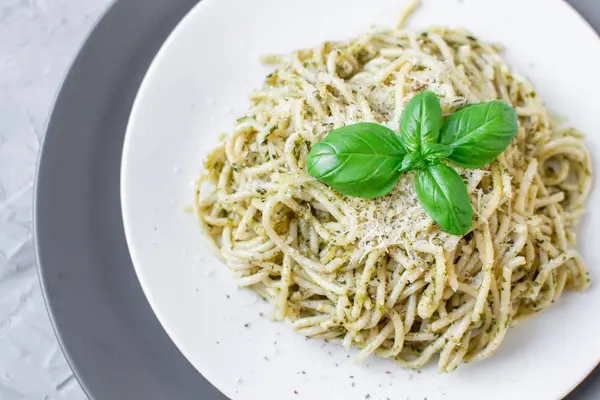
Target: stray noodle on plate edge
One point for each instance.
(378, 274)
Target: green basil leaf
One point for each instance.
(443, 195)
(412, 161)
(360, 160)
(479, 133)
(436, 151)
(421, 120)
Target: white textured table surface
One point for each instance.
(38, 39)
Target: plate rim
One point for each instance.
(127, 144)
(41, 270)
(39, 259)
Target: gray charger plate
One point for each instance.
(108, 332)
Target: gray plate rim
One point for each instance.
(118, 368)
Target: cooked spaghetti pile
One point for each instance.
(378, 274)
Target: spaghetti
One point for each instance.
(378, 274)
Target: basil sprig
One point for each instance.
(366, 159)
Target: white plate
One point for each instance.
(195, 88)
